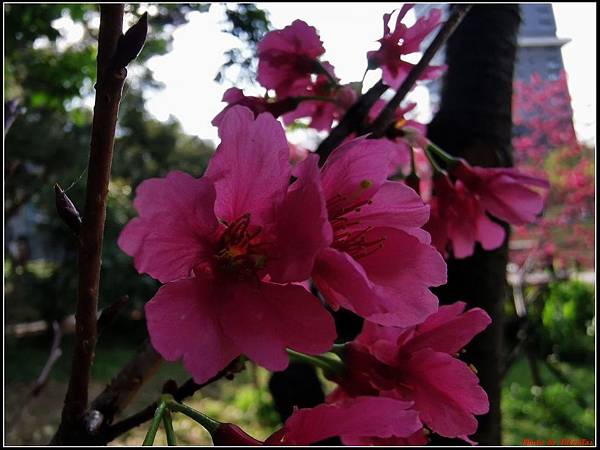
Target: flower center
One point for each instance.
(239, 252)
(348, 234)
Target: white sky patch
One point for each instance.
(348, 31)
(577, 21)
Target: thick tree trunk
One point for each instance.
(474, 121)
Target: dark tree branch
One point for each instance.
(356, 114)
(119, 392)
(351, 121)
(75, 427)
(386, 116)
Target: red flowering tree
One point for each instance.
(259, 255)
(545, 141)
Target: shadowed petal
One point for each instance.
(182, 323)
(360, 416)
(302, 228)
(446, 393)
(264, 319)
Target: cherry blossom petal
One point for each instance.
(490, 234)
(415, 439)
(250, 168)
(176, 221)
(386, 417)
(343, 283)
(264, 319)
(401, 259)
(511, 202)
(446, 393)
(182, 323)
(302, 229)
(423, 26)
(394, 205)
(286, 58)
(449, 330)
(357, 169)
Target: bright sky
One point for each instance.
(348, 32)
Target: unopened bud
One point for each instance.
(131, 43)
(67, 210)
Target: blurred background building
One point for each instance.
(539, 48)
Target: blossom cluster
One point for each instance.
(545, 139)
(237, 248)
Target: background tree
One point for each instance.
(474, 121)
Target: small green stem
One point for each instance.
(413, 167)
(168, 424)
(412, 179)
(339, 349)
(446, 157)
(437, 170)
(362, 80)
(210, 424)
(326, 361)
(158, 414)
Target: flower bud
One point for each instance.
(67, 210)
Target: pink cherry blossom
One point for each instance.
(226, 245)
(234, 96)
(403, 41)
(417, 364)
(288, 57)
(386, 418)
(380, 264)
(418, 438)
(503, 192)
(458, 220)
(348, 419)
(333, 103)
(407, 134)
(297, 154)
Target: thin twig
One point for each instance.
(55, 354)
(108, 314)
(186, 390)
(123, 387)
(111, 74)
(12, 109)
(386, 116)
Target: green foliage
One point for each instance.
(49, 143)
(248, 23)
(549, 412)
(568, 319)
(44, 72)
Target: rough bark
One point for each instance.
(474, 121)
